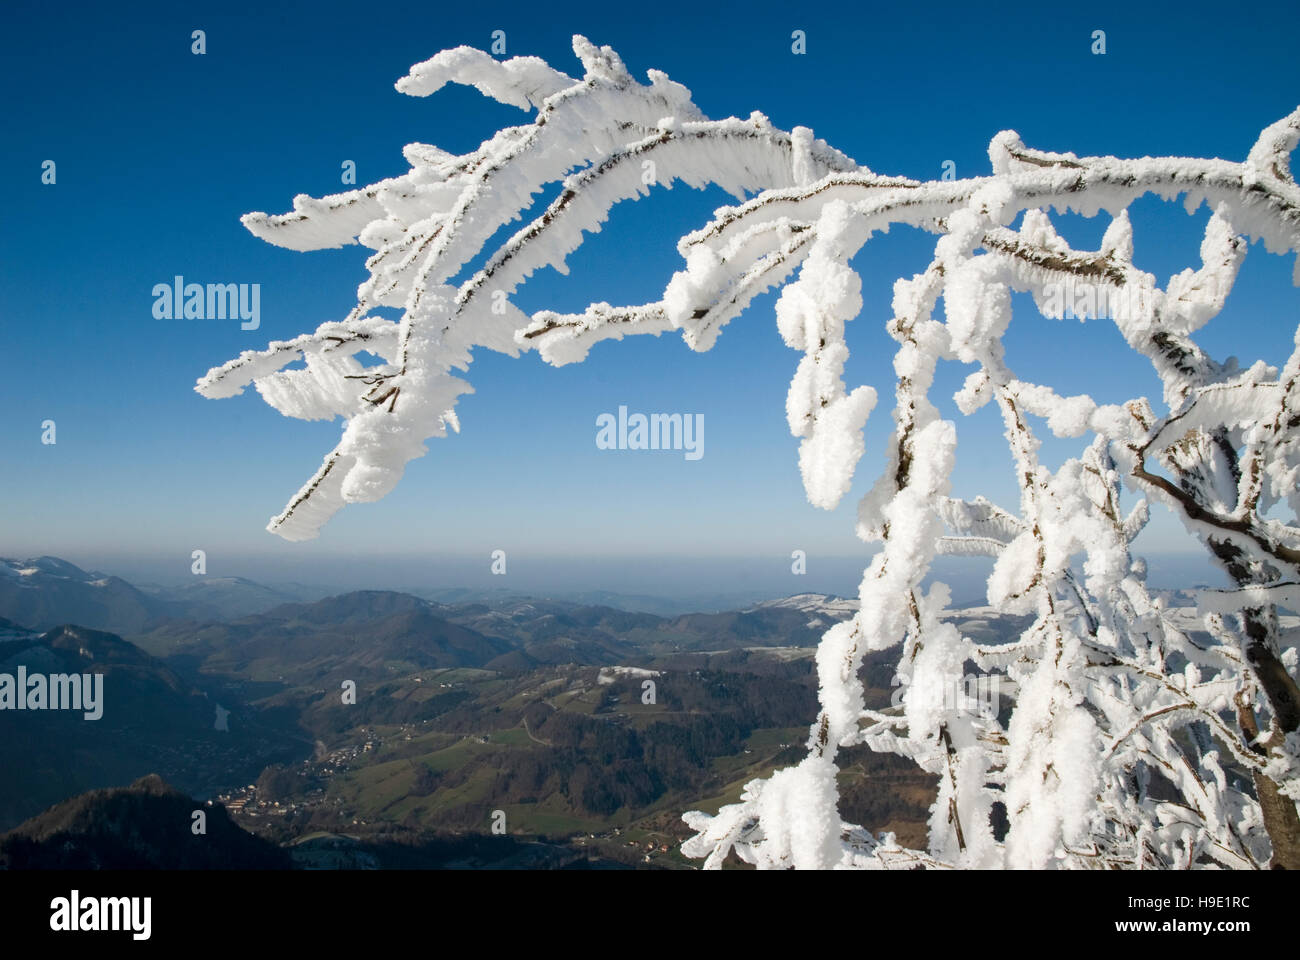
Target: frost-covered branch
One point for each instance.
(1127, 738)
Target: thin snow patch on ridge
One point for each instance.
(46, 566)
(608, 675)
(815, 604)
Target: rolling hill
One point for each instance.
(146, 826)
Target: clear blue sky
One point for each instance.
(159, 152)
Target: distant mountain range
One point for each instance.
(223, 598)
(236, 626)
(44, 592)
(371, 634)
(364, 634)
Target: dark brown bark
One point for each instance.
(1282, 823)
(1281, 819)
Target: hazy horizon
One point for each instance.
(688, 582)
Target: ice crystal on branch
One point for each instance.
(1132, 737)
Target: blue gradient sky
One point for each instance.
(159, 152)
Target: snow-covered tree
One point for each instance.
(1129, 738)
